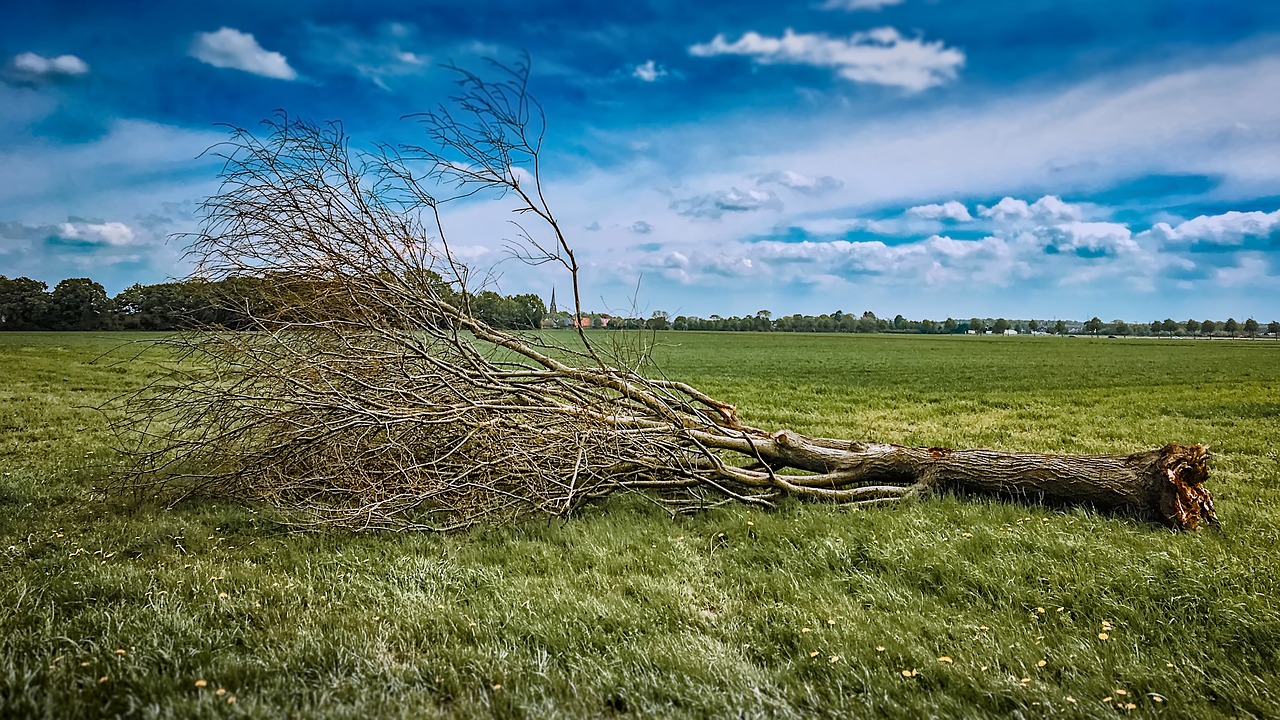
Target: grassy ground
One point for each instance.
(938, 607)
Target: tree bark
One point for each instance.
(1164, 485)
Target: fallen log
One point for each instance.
(1164, 485)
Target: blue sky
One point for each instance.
(1019, 158)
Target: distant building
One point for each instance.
(588, 321)
(549, 321)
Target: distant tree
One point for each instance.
(1000, 326)
(520, 312)
(529, 311)
(1208, 326)
(899, 322)
(1231, 326)
(949, 325)
(658, 321)
(1251, 327)
(1094, 326)
(1155, 326)
(1192, 326)
(80, 304)
(170, 306)
(928, 327)
(978, 325)
(1169, 326)
(763, 321)
(1122, 328)
(1274, 329)
(24, 304)
(1060, 327)
(1033, 326)
(868, 323)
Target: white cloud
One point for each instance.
(801, 183)
(950, 210)
(648, 71)
(1090, 238)
(881, 56)
(115, 234)
(1049, 208)
(854, 5)
(230, 48)
(714, 205)
(1231, 228)
(34, 67)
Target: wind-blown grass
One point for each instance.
(107, 608)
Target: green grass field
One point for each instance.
(939, 607)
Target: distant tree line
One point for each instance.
(82, 304)
(867, 322)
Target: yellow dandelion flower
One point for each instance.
(813, 654)
(1042, 663)
(202, 683)
(1103, 636)
(945, 659)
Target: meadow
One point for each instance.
(937, 607)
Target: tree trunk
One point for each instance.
(1164, 485)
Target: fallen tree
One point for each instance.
(365, 392)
